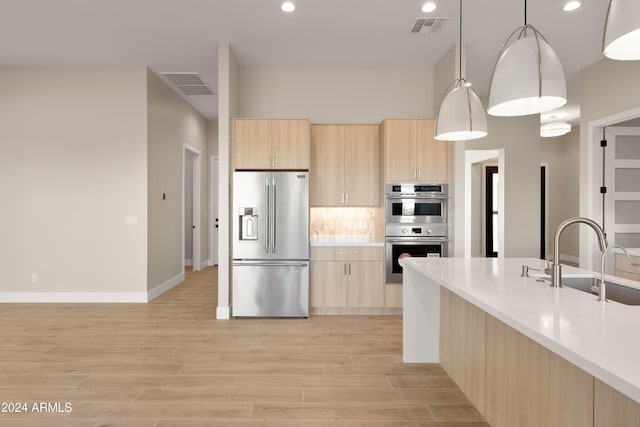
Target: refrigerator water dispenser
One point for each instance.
(248, 224)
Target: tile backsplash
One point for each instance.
(337, 225)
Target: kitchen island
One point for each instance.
(523, 352)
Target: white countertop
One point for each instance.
(602, 339)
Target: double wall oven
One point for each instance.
(416, 224)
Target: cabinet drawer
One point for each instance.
(629, 265)
(347, 253)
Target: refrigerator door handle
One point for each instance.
(271, 264)
(268, 222)
(275, 215)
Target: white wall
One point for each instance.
(171, 123)
(73, 167)
(562, 154)
(519, 138)
(445, 71)
(344, 94)
(212, 137)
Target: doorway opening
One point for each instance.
(492, 181)
(191, 256)
(477, 237)
(544, 211)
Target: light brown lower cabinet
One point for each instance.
(393, 295)
(514, 381)
(628, 268)
(346, 277)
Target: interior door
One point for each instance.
(622, 199)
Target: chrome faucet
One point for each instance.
(556, 271)
(603, 290)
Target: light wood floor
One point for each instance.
(170, 363)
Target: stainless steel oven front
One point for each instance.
(416, 203)
(428, 240)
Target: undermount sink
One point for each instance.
(615, 291)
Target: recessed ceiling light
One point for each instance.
(571, 5)
(288, 7)
(429, 7)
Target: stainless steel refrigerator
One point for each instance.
(270, 244)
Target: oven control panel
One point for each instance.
(413, 230)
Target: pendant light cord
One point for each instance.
(460, 45)
(525, 12)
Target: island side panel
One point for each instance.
(530, 386)
(420, 318)
(462, 345)
(613, 408)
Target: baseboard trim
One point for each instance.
(72, 297)
(164, 287)
(223, 313)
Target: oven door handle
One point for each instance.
(417, 196)
(417, 240)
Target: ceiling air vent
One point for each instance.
(189, 83)
(428, 25)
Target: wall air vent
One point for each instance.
(189, 83)
(428, 25)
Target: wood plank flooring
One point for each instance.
(170, 363)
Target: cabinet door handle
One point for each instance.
(635, 264)
(345, 269)
(342, 198)
(419, 173)
(349, 269)
(347, 198)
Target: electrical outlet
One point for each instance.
(34, 277)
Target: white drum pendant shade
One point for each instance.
(622, 30)
(461, 116)
(528, 78)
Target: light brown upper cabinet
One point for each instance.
(411, 152)
(345, 165)
(261, 144)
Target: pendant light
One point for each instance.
(461, 115)
(528, 77)
(621, 39)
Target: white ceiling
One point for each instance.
(182, 35)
